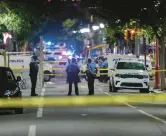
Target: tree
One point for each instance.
(154, 16)
(149, 13)
(18, 20)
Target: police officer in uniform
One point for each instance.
(91, 75)
(33, 74)
(73, 77)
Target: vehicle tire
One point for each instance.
(47, 78)
(144, 90)
(19, 111)
(110, 87)
(114, 89)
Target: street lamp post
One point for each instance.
(144, 43)
(157, 73)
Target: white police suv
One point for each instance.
(129, 74)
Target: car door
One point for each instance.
(3, 82)
(11, 81)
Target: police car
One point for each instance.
(129, 74)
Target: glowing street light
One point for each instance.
(85, 30)
(102, 25)
(74, 32)
(95, 28)
(49, 43)
(132, 31)
(6, 35)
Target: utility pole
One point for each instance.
(157, 73)
(144, 43)
(41, 62)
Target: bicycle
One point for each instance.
(23, 83)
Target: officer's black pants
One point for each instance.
(105, 77)
(70, 87)
(33, 83)
(91, 81)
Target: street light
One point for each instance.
(85, 30)
(74, 32)
(49, 43)
(95, 28)
(102, 25)
(132, 31)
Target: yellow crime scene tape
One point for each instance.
(66, 74)
(18, 69)
(82, 100)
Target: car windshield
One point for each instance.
(130, 65)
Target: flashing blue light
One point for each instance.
(69, 53)
(49, 43)
(70, 57)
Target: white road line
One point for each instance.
(40, 108)
(142, 112)
(130, 106)
(152, 116)
(106, 93)
(32, 130)
(39, 112)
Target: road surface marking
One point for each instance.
(106, 93)
(152, 116)
(40, 108)
(32, 130)
(142, 112)
(84, 114)
(39, 112)
(130, 106)
(125, 103)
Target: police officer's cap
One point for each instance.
(34, 57)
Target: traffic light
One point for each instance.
(132, 34)
(128, 35)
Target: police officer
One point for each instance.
(91, 74)
(72, 72)
(33, 74)
(67, 64)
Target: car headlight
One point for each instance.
(11, 92)
(8, 92)
(60, 57)
(145, 76)
(118, 75)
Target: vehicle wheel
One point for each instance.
(144, 90)
(19, 111)
(114, 89)
(110, 87)
(47, 77)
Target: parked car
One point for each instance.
(9, 88)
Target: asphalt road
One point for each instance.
(126, 120)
